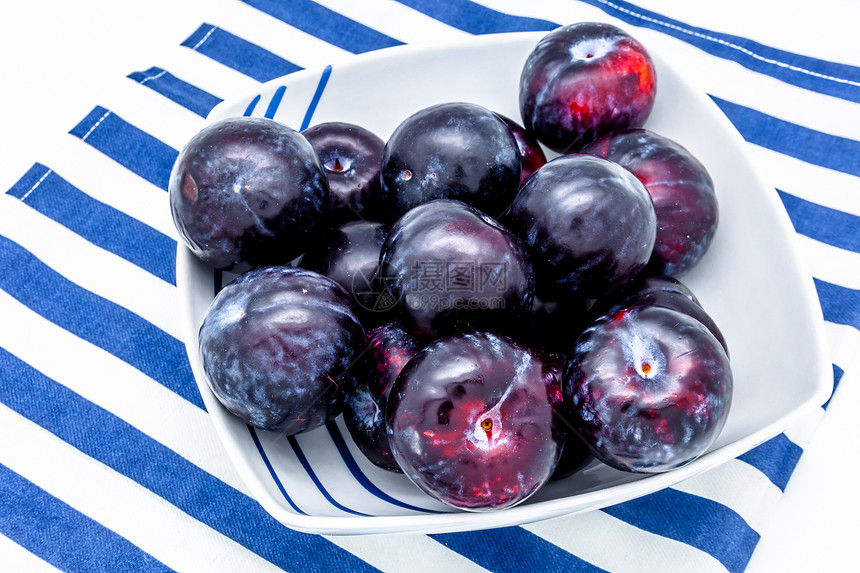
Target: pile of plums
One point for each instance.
(485, 320)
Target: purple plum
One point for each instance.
(681, 189)
(589, 225)
(389, 348)
(453, 150)
(584, 80)
(471, 422)
(352, 158)
(247, 192)
(278, 346)
(453, 269)
(649, 389)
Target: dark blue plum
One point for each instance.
(681, 189)
(450, 151)
(649, 389)
(352, 158)
(584, 80)
(278, 346)
(389, 349)
(350, 256)
(589, 225)
(247, 192)
(471, 421)
(453, 269)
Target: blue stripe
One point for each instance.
(823, 223)
(513, 550)
(238, 53)
(809, 145)
(477, 19)
(49, 194)
(310, 471)
(350, 462)
(61, 535)
(188, 96)
(99, 321)
(128, 145)
(325, 24)
(694, 520)
(271, 469)
(775, 458)
(837, 377)
(839, 304)
(315, 100)
(109, 439)
(252, 105)
(272, 109)
(839, 80)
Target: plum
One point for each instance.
(452, 150)
(531, 153)
(649, 389)
(660, 290)
(352, 158)
(681, 189)
(246, 192)
(454, 269)
(389, 348)
(584, 80)
(351, 257)
(278, 346)
(589, 225)
(471, 421)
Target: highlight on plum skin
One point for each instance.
(471, 421)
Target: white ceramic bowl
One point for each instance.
(750, 282)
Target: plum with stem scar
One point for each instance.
(471, 421)
(649, 388)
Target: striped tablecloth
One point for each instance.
(109, 461)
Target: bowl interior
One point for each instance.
(750, 281)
